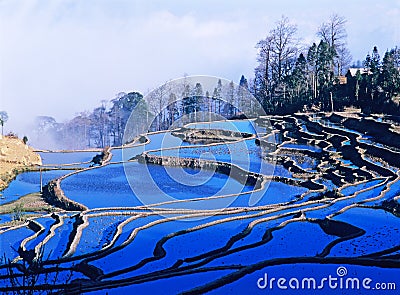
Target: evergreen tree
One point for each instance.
(173, 110)
(298, 83)
(197, 99)
(187, 100)
(389, 78)
(371, 75)
(217, 97)
(230, 96)
(243, 82)
(313, 69)
(325, 74)
(243, 100)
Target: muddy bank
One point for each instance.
(338, 138)
(208, 136)
(391, 206)
(54, 195)
(338, 228)
(102, 158)
(379, 130)
(239, 174)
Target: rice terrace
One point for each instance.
(214, 202)
(285, 183)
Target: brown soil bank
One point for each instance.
(15, 157)
(209, 135)
(244, 177)
(53, 195)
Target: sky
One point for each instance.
(61, 57)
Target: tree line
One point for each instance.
(171, 105)
(290, 77)
(376, 87)
(99, 128)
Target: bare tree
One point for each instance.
(99, 128)
(3, 119)
(344, 58)
(276, 56)
(333, 32)
(264, 58)
(157, 100)
(284, 46)
(77, 132)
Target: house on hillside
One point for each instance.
(341, 80)
(352, 72)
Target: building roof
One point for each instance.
(353, 71)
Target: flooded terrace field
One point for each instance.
(183, 215)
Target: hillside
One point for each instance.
(15, 157)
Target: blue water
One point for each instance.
(382, 232)
(173, 285)
(337, 206)
(110, 185)
(288, 241)
(57, 158)
(135, 184)
(182, 246)
(5, 218)
(248, 284)
(259, 230)
(156, 141)
(57, 245)
(99, 231)
(28, 182)
(355, 188)
(393, 192)
(46, 222)
(10, 241)
(275, 192)
(143, 245)
(245, 154)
